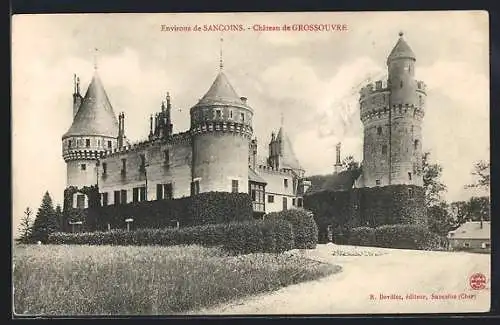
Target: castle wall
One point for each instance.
(219, 158)
(276, 189)
(158, 169)
(80, 176)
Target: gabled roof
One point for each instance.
(472, 230)
(95, 115)
(287, 155)
(221, 93)
(401, 50)
(254, 177)
(342, 181)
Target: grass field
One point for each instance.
(105, 280)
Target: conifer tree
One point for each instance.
(45, 222)
(25, 228)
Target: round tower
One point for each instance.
(221, 125)
(94, 130)
(392, 113)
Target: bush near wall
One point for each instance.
(204, 208)
(271, 236)
(305, 230)
(370, 207)
(362, 236)
(405, 236)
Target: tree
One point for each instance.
(25, 228)
(440, 220)
(45, 222)
(432, 184)
(475, 209)
(59, 216)
(349, 163)
(459, 211)
(482, 173)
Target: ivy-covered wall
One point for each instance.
(204, 208)
(375, 206)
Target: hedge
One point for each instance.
(201, 209)
(362, 236)
(406, 237)
(271, 236)
(305, 230)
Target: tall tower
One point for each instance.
(392, 112)
(93, 131)
(281, 153)
(221, 125)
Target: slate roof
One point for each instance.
(401, 50)
(221, 93)
(342, 181)
(95, 115)
(287, 156)
(472, 230)
(254, 177)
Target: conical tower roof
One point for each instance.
(95, 115)
(221, 93)
(288, 158)
(401, 50)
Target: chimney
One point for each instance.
(77, 98)
(338, 164)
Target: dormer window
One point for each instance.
(231, 114)
(218, 114)
(69, 144)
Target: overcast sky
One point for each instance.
(310, 77)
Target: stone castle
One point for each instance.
(219, 153)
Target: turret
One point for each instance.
(392, 113)
(93, 131)
(77, 98)
(281, 153)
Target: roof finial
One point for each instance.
(401, 33)
(95, 58)
(221, 62)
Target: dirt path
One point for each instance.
(397, 272)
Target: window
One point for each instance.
(159, 191)
(242, 115)
(142, 166)
(253, 194)
(87, 143)
(285, 182)
(104, 198)
(109, 144)
(123, 196)
(69, 143)
(379, 130)
(384, 149)
(293, 201)
(98, 143)
(195, 187)
(166, 154)
(142, 193)
(218, 114)
(285, 207)
(270, 198)
(80, 201)
(415, 144)
(135, 194)
(409, 176)
(377, 182)
(258, 196)
(117, 197)
(410, 193)
(401, 84)
(299, 202)
(83, 167)
(124, 166)
(231, 114)
(466, 244)
(168, 191)
(104, 168)
(234, 186)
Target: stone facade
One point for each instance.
(392, 111)
(217, 153)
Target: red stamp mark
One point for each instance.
(477, 281)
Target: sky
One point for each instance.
(311, 77)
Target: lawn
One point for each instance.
(146, 280)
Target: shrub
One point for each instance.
(305, 230)
(406, 237)
(362, 236)
(271, 236)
